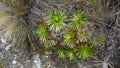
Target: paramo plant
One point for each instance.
(71, 41)
(83, 36)
(56, 20)
(42, 33)
(71, 53)
(84, 51)
(61, 52)
(78, 20)
(69, 38)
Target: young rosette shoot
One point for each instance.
(83, 36)
(61, 52)
(69, 38)
(71, 53)
(78, 20)
(52, 42)
(56, 20)
(42, 33)
(84, 51)
(46, 46)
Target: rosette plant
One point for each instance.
(61, 52)
(84, 51)
(83, 36)
(78, 20)
(56, 20)
(52, 42)
(71, 53)
(69, 38)
(42, 33)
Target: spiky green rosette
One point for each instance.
(56, 20)
(84, 51)
(71, 53)
(61, 52)
(52, 42)
(42, 33)
(83, 36)
(69, 38)
(77, 20)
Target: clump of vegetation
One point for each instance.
(83, 36)
(61, 52)
(69, 38)
(42, 33)
(71, 53)
(78, 20)
(68, 34)
(84, 51)
(76, 41)
(73, 29)
(56, 20)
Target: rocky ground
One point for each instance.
(106, 56)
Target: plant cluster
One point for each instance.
(76, 38)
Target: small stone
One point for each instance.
(14, 62)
